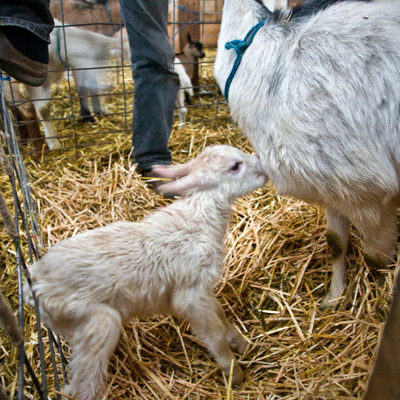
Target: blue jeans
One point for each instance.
(33, 15)
(156, 84)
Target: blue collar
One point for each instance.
(240, 47)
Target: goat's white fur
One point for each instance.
(185, 85)
(85, 49)
(167, 263)
(319, 99)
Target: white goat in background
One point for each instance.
(185, 87)
(84, 49)
(318, 95)
(167, 263)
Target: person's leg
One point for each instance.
(25, 27)
(32, 15)
(156, 84)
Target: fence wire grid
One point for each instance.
(106, 88)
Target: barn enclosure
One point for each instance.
(277, 262)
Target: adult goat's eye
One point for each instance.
(236, 167)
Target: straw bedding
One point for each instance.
(276, 272)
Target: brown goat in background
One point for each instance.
(25, 116)
(95, 16)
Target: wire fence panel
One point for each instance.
(88, 98)
(27, 244)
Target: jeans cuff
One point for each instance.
(149, 165)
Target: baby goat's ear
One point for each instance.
(181, 185)
(171, 171)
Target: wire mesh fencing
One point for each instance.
(88, 98)
(46, 357)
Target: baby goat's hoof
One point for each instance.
(238, 343)
(237, 375)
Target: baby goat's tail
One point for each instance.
(28, 295)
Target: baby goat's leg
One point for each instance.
(93, 343)
(234, 338)
(337, 236)
(204, 318)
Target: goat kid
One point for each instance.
(78, 50)
(184, 65)
(192, 52)
(318, 97)
(88, 284)
(185, 91)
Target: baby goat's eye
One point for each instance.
(236, 167)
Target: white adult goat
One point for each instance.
(319, 98)
(167, 263)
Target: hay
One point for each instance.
(276, 272)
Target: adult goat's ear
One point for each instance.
(275, 5)
(171, 171)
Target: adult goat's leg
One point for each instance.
(94, 79)
(380, 238)
(40, 98)
(337, 236)
(83, 93)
